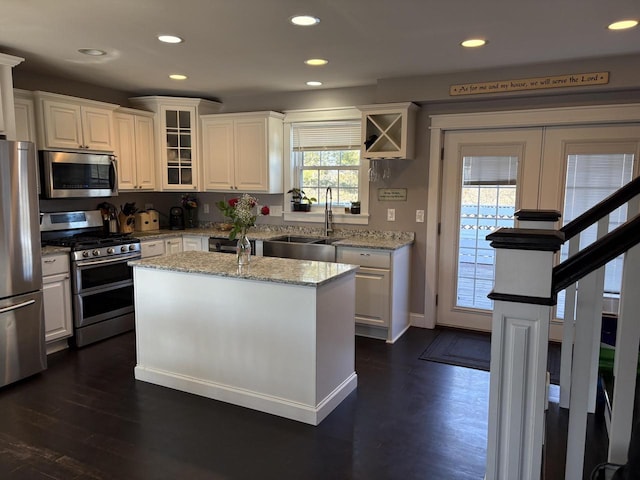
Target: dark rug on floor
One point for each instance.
(473, 350)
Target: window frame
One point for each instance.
(316, 214)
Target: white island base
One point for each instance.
(284, 349)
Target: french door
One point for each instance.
(483, 184)
(487, 175)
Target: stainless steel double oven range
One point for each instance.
(102, 282)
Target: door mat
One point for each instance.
(473, 350)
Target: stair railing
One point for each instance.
(524, 294)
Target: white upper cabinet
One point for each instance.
(177, 138)
(135, 147)
(388, 130)
(70, 123)
(243, 152)
(7, 118)
(25, 116)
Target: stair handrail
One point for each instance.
(601, 209)
(597, 254)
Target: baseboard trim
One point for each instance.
(310, 414)
(418, 320)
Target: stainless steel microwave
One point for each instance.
(75, 174)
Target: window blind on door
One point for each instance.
(485, 170)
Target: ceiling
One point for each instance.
(248, 47)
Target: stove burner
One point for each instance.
(84, 241)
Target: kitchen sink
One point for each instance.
(301, 248)
(326, 241)
(294, 239)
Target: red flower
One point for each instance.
(264, 210)
(233, 202)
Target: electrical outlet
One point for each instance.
(391, 214)
(205, 208)
(420, 216)
(275, 210)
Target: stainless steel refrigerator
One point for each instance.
(22, 346)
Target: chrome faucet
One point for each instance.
(328, 214)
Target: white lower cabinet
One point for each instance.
(56, 286)
(166, 245)
(173, 245)
(196, 243)
(152, 248)
(372, 296)
(382, 290)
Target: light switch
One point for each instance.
(391, 214)
(420, 216)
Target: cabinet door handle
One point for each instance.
(52, 260)
(365, 254)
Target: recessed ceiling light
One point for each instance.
(314, 83)
(474, 42)
(304, 20)
(94, 52)
(169, 39)
(315, 62)
(177, 76)
(623, 25)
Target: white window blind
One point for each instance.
(590, 179)
(334, 135)
(486, 170)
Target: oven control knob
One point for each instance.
(85, 254)
(132, 247)
(96, 253)
(123, 248)
(110, 250)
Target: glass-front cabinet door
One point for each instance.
(177, 124)
(180, 139)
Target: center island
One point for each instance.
(276, 336)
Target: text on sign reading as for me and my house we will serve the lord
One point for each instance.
(558, 81)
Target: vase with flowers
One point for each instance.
(242, 215)
(190, 205)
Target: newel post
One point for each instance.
(523, 301)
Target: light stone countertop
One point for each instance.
(348, 238)
(53, 250)
(267, 269)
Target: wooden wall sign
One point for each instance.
(538, 83)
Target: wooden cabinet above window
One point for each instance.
(388, 130)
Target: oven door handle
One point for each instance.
(120, 259)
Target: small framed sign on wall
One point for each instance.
(392, 194)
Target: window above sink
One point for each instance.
(322, 149)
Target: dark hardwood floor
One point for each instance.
(86, 417)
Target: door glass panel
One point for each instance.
(590, 179)
(488, 202)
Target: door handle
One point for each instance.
(10, 308)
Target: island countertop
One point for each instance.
(267, 269)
